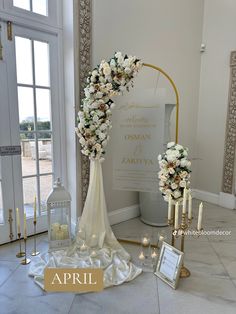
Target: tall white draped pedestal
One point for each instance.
(108, 255)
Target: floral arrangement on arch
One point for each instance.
(94, 120)
(174, 171)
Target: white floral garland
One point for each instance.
(94, 120)
(175, 171)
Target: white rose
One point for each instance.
(183, 163)
(113, 63)
(179, 147)
(81, 126)
(87, 93)
(169, 145)
(174, 186)
(107, 71)
(127, 70)
(166, 198)
(182, 184)
(159, 158)
(99, 95)
(109, 86)
(163, 178)
(104, 143)
(91, 89)
(120, 60)
(177, 194)
(183, 174)
(95, 118)
(82, 141)
(98, 147)
(94, 73)
(171, 158)
(118, 54)
(102, 136)
(112, 105)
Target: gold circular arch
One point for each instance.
(176, 95)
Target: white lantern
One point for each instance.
(59, 217)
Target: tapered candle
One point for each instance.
(25, 229)
(18, 220)
(35, 209)
(141, 256)
(176, 216)
(184, 201)
(170, 208)
(199, 223)
(190, 206)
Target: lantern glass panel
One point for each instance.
(60, 224)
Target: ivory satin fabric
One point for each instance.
(110, 255)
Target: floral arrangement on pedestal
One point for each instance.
(94, 120)
(174, 172)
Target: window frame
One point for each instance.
(53, 19)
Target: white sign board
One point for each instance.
(138, 137)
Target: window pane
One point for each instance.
(30, 190)
(28, 155)
(40, 7)
(26, 108)
(23, 60)
(45, 188)
(43, 103)
(1, 205)
(41, 57)
(45, 154)
(23, 4)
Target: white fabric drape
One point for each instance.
(110, 255)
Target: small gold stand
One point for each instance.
(171, 224)
(21, 253)
(25, 261)
(185, 224)
(35, 252)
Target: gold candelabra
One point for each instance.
(185, 224)
(171, 224)
(35, 252)
(20, 253)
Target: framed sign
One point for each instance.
(169, 265)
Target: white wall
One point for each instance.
(219, 37)
(165, 33)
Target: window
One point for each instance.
(35, 6)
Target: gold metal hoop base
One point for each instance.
(20, 254)
(25, 261)
(34, 253)
(184, 272)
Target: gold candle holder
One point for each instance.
(26, 260)
(185, 224)
(35, 252)
(171, 223)
(20, 253)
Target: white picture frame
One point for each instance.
(169, 265)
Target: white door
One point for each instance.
(32, 115)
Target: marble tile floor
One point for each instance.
(211, 288)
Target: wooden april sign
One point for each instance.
(73, 279)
